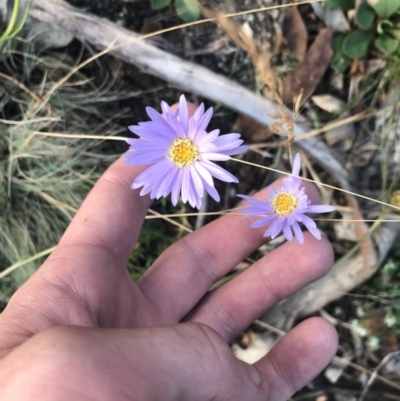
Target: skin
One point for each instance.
(80, 329)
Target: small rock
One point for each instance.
(335, 18)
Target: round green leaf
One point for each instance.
(159, 4)
(386, 44)
(364, 16)
(385, 8)
(188, 10)
(355, 45)
(339, 62)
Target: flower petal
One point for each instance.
(215, 156)
(183, 113)
(204, 174)
(175, 124)
(262, 222)
(166, 184)
(176, 187)
(138, 159)
(311, 226)
(298, 233)
(320, 209)
(218, 172)
(274, 229)
(296, 164)
(236, 151)
(197, 181)
(308, 221)
(287, 232)
(212, 192)
(185, 184)
(199, 112)
(205, 120)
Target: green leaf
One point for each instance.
(365, 16)
(344, 5)
(384, 26)
(159, 4)
(395, 33)
(385, 8)
(386, 44)
(355, 45)
(188, 10)
(339, 62)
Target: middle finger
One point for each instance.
(181, 276)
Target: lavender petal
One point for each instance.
(320, 209)
(183, 113)
(296, 164)
(298, 233)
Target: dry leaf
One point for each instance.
(261, 60)
(252, 131)
(295, 33)
(305, 77)
(329, 103)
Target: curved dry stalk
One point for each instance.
(24, 88)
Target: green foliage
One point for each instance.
(159, 4)
(356, 44)
(344, 5)
(365, 16)
(376, 23)
(386, 44)
(385, 288)
(15, 26)
(340, 62)
(386, 8)
(43, 180)
(154, 238)
(187, 10)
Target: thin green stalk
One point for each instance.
(21, 263)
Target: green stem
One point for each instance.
(12, 22)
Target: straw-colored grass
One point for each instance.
(43, 180)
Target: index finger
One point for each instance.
(112, 214)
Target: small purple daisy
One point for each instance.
(285, 209)
(180, 153)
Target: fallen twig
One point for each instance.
(186, 75)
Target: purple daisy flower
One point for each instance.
(180, 154)
(285, 208)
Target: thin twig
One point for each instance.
(32, 94)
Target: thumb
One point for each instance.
(189, 361)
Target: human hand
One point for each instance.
(81, 329)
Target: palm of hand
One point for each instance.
(122, 333)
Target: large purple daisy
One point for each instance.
(180, 154)
(285, 208)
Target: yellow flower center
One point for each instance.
(183, 152)
(284, 204)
